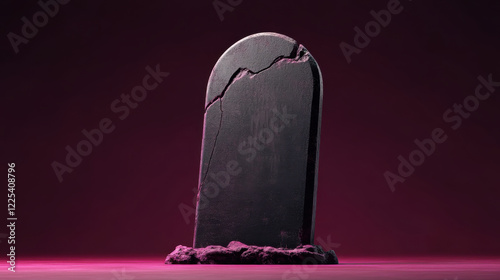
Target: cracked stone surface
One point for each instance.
(239, 253)
(258, 170)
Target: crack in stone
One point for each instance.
(215, 144)
(298, 55)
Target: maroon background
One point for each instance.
(123, 199)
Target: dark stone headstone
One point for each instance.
(259, 161)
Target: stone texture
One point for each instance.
(239, 253)
(258, 170)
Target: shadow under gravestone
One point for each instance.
(259, 159)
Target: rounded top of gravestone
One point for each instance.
(254, 53)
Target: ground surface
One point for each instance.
(350, 268)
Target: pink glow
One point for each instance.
(350, 268)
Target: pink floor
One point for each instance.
(350, 268)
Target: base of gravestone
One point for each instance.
(239, 253)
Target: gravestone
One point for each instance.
(260, 146)
(260, 149)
